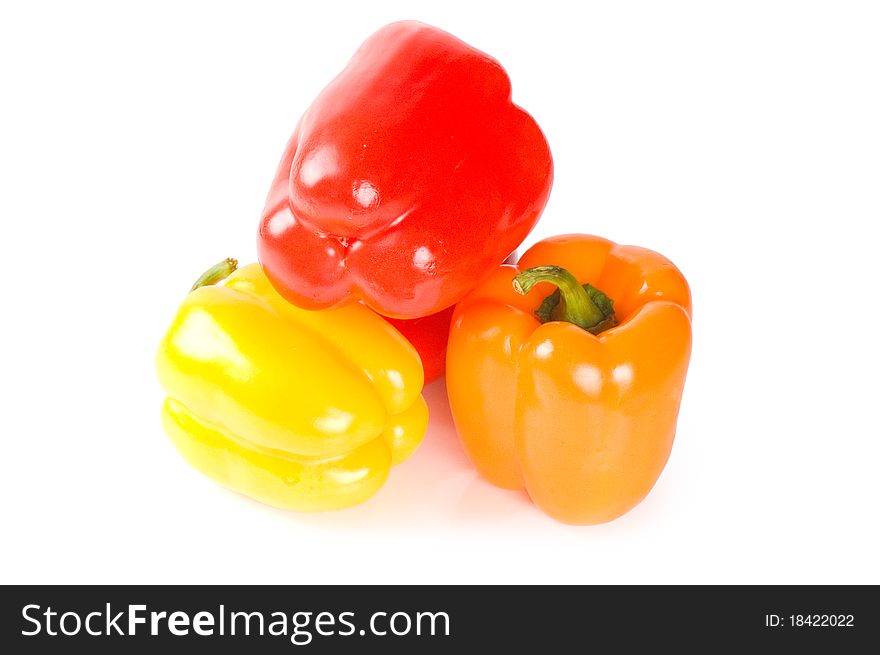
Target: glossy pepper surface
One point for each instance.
(583, 422)
(429, 336)
(300, 410)
(407, 180)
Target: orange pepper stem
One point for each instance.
(583, 305)
(217, 273)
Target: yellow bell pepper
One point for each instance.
(302, 410)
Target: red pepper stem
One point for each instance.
(575, 304)
(217, 273)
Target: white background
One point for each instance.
(741, 139)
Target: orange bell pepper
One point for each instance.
(583, 422)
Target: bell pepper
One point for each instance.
(572, 394)
(409, 178)
(300, 410)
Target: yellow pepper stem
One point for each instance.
(217, 273)
(584, 305)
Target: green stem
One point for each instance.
(582, 305)
(217, 273)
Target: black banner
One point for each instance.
(334, 619)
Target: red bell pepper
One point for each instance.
(408, 179)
